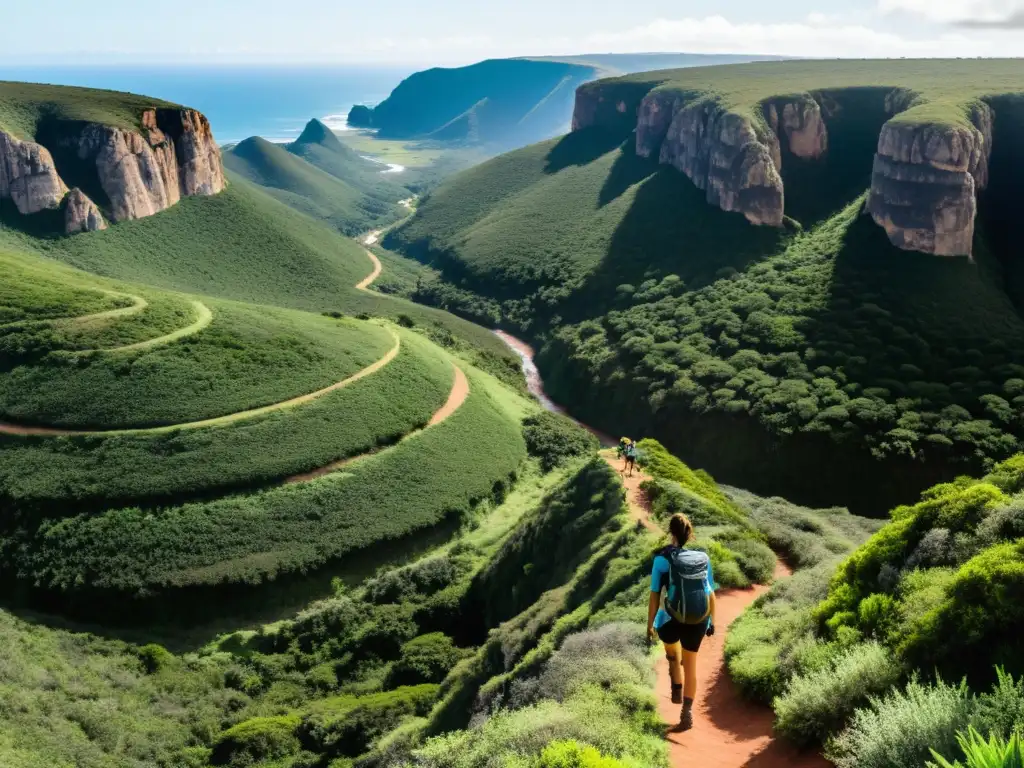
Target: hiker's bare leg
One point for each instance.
(674, 654)
(689, 674)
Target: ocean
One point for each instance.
(240, 101)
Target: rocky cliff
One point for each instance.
(172, 155)
(925, 177)
(925, 181)
(725, 154)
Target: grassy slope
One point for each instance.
(120, 469)
(23, 105)
(320, 177)
(300, 526)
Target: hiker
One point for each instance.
(623, 442)
(687, 613)
(630, 459)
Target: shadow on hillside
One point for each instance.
(581, 148)
(627, 170)
(817, 189)
(670, 229)
(186, 619)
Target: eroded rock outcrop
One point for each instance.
(925, 182)
(28, 176)
(81, 214)
(142, 172)
(802, 124)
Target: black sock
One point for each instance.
(676, 686)
(687, 704)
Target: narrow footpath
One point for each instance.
(729, 731)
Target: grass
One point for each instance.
(300, 527)
(409, 154)
(118, 469)
(24, 105)
(246, 358)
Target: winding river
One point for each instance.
(535, 384)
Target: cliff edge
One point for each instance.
(731, 129)
(137, 171)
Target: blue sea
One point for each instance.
(240, 101)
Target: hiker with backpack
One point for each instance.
(630, 459)
(686, 615)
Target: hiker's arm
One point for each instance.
(713, 622)
(652, 611)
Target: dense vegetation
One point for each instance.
(445, 471)
(785, 361)
(131, 468)
(870, 661)
(322, 178)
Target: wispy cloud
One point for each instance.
(1013, 21)
(977, 14)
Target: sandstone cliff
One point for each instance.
(723, 153)
(925, 182)
(28, 176)
(81, 214)
(142, 172)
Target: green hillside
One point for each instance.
(320, 177)
(790, 361)
(25, 106)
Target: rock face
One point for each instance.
(925, 182)
(28, 176)
(174, 155)
(81, 214)
(722, 152)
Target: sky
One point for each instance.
(461, 31)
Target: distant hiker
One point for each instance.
(623, 442)
(630, 459)
(685, 615)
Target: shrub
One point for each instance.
(1000, 711)
(154, 657)
(572, 754)
(818, 703)
(755, 558)
(554, 438)
(900, 730)
(425, 659)
(261, 738)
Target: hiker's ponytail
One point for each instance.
(681, 527)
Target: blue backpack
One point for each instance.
(688, 581)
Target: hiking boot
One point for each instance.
(677, 694)
(686, 719)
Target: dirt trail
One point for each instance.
(219, 421)
(203, 319)
(458, 395)
(729, 731)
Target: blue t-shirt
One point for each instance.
(659, 580)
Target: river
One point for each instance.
(535, 385)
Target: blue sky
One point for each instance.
(458, 31)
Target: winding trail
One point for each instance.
(458, 395)
(729, 731)
(205, 317)
(138, 305)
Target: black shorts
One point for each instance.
(690, 636)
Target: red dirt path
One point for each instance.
(729, 731)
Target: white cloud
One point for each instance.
(974, 12)
(818, 36)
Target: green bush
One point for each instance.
(261, 738)
(154, 657)
(900, 729)
(572, 754)
(425, 659)
(818, 703)
(554, 438)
